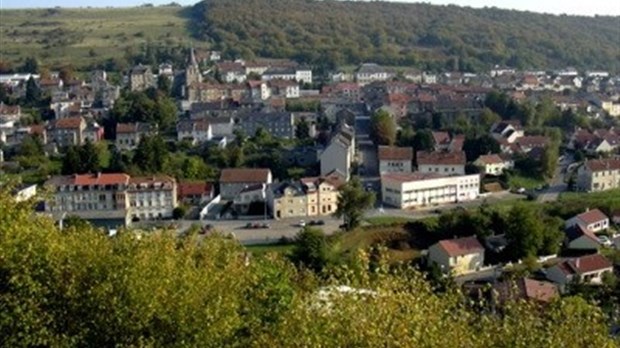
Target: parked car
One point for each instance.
(604, 240)
(265, 225)
(302, 223)
(320, 222)
(249, 225)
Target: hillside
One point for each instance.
(84, 37)
(347, 32)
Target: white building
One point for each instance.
(235, 180)
(586, 269)
(599, 175)
(114, 196)
(493, 164)
(338, 155)
(591, 220)
(198, 131)
(457, 256)
(370, 72)
(420, 189)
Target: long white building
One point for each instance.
(407, 190)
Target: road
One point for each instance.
(557, 184)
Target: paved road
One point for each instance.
(557, 184)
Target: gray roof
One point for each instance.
(370, 68)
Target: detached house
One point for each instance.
(128, 135)
(579, 238)
(339, 154)
(393, 159)
(198, 131)
(284, 88)
(507, 131)
(526, 289)
(444, 163)
(493, 164)
(141, 77)
(586, 269)
(457, 256)
(599, 175)
(234, 180)
(592, 220)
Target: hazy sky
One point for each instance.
(581, 7)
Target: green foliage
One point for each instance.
(529, 233)
(88, 158)
(311, 249)
(151, 106)
(302, 130)
(353, 201)
(549, 160)
(33, 93)
(328, 34)
(482, 145)
(151, 154)
(179, 212)
(383, 128)
(423, 140)
(79, 287)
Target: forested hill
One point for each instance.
(348, 32)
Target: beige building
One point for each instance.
(421, 189)
(67, 131)
(457, 256)
(599, 175)
(394, 159)
(115, 196)
(444, 163)
(307, 198)
(128, 135)
(493, 164)
(141, 77)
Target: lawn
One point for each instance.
(529, 183)
(261, 249)
(87, 35)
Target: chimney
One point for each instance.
(98, 175)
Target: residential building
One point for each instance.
(284, 88)
(444, 163)
(288, 199)
(231, 72)
(599, 175)
(67, 131)
(24, 192)
(322, 193)
(278, 124)
(526, 289)
(194, 192)
(197, 131)
(591, 220)
(579, 238)
(420, 189)
(457, 256)
(234, 180)
(250, 198)
(93, 132)
(588, 269)
(393, 159)
(507, 131)
(370, 72)
(113, 199)
(338, 155)
(128, 135)
(141, 78)
(493, 164)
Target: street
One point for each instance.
(557, 184)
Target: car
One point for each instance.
(521, 190)
(302, 223)
(604, 240)
(437, 211)
(249, 225)
(265, 225)
(320, 222)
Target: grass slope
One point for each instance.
(88, 36)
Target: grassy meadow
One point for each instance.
(87, 35)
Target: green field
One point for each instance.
(88, 36)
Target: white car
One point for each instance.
(302, 223)
(604, 240)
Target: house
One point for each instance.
(141, 78)
(580, 238)
(393, 159)
(588, 269)
(67, 131)
(234, 180)
(322, 193)
(24, 192)
(288, 199)
(128, 135)
(457, 256)
(526, 144)
(231, 72)
(591, 220)
(615, 217)
(278, 124)
(194, 192)
(526, 289)
(251, 200)
(445, 163)
(284, 88)
(409, 190)
(599, 175)
(112, 199)
(493, 164)
(507, 131)
(339, 154)
(441, 140)
(197, 131)
(93, 132)
(370, 72)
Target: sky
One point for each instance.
(576, 7)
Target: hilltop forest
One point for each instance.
(336, 33)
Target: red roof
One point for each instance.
(527, 288)
(125, 128)
(395, 153)
(592, 216)
(69, 123)
(441, 158)
(461, 246)
(490, 159)
(441, 137)
(585, 264)
(604, 164)
(185, 189)
(245, 175)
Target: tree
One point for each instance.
(89, 158)
(71, 161)
(33, 93)
(423, 140)
(30, 66)
(67, 73)
(488, 118)
(549, 160)
(383, 128)
(528, 234)
(151, 154)
(353, 201)
(164, 85)
(31, 146)
(302, 130)
(194, 168)
(311, 249)
(179, 212)
(482, 145)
